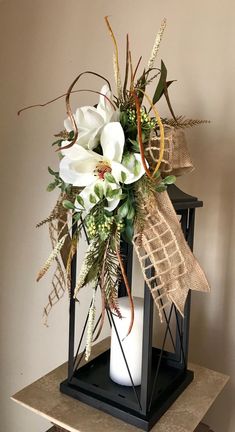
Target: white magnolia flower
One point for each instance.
(86, 168)
(90, 120)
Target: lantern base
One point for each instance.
(92, 385)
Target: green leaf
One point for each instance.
(123, 210)
(68, 205)
(135, 145)
(77, 217)
(92, 199)
(57, 142)
(63, 187)
(114, 193)
(161, 83)
(137, 167)
(80, 200)
(131, 213)
(123, 176)
(123, 118)
(128, 232)
(51, 187)
(161, 188)
(99, 191)
(50, 170)
(92, 274)
(108, 191)
(157, 174)
(126, 159)
(169, 179)
(109, 178)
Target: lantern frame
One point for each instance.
(164, 374)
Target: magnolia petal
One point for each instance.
(94, 139)
(92, 118)
(78, 165)
(104, 107)
(66, 174)
(69, 173)
(131, 167)
(112, 141)
(77, 152)
(84, 137)
(79, 120)
(72, 152)
(64, 143)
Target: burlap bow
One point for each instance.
(169, 267)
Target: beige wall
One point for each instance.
(44, 44)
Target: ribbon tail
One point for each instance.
(169, 267)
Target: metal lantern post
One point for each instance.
(164, 373)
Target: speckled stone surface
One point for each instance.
(44, 398)
(200, 428)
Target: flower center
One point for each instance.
(102, 168)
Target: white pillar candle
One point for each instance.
(132, 344)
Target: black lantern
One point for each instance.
(164, 373)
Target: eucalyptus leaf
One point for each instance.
(114, 193)
(161, 188)
(92, 199)
(123, 118)
(123, 210)
(68, 205)
(99, 191)
(80, 200)
(169, 179)
(109, 178)
(128, 232)
(131, 213)
(51, 187)
(137, 167)
(108, 192)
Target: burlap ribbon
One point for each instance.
(169, 267)
(57, 229)
(176, 158)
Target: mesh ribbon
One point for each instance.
(169, 267)
(176, 158)
(58, 228)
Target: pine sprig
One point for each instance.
(183, 122)
(111, 275)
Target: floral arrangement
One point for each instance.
(116, 161)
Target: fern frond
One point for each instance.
(183, 122)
